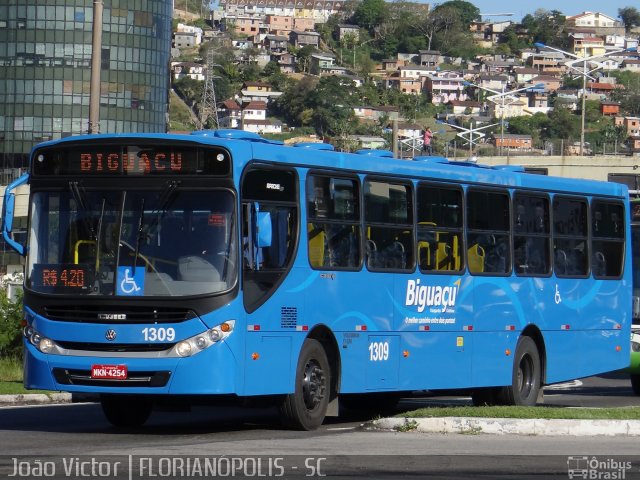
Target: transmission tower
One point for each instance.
(208, 105)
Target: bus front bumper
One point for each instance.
(209, 372)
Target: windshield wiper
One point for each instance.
(166, 197)
(98, 233)
(139, 235)
(80, 198)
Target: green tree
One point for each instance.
(370, 13)
(467, 12)
(332, 102)
(546, 27)
(630, 16)
(189, 89)
(629, 96)
(292, 105)
(512, 39)
(529, 125)
(11, 316)
(304, 57)
(562, 124)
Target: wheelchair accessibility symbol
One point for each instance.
(128, 283)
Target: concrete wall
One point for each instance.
(595, 167)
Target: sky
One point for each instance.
(568, 8)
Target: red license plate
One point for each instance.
(109, 372)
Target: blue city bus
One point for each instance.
(167, 268)
(634, 367)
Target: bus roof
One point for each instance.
(248, 147)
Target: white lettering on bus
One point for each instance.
(424, 296)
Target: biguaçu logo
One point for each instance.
(436, 296)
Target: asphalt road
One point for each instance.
(254, 440)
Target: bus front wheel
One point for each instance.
(306, 407)
(126, 411)
(635, 383)
(526, 378)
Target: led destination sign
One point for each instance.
(138, 160)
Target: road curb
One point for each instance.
(509, 426)
(34, 399)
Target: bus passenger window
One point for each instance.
(531, 237)
(571, 249)
(607, 236)
(389, 225)
(333, 228)
(488, 225)
(439, 228)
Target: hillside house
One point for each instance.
(524, 75)
(279, 24)
(445, 87)
(229, 114)
(301, 39)
(587, 46)
(348, 30)
(196, 71)
(276, 43)
(609, 108)
(258, 92)
(430, 58)
(630, 124)
(464, 107)
(320, 63)
(632, 65)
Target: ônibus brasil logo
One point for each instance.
(436, 296)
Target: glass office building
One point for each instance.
(45, 71)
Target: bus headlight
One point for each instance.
(46, 345)
(183, 349)
(635, 347)
(202, 341)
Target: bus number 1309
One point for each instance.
(378, 351)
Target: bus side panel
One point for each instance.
(268, 368)
(493, 358)
(560, 347)
(601, 351)
(355, 305)
(436, 360)
(577, 354)
(353, 356)
(499, 317)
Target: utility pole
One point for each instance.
(96, 60)
(208, 104)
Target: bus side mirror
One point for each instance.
(8, 209)
(264, 229)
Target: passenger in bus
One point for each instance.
(597, 222)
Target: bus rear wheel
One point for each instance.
(635, 383)
(125, 411)
(306, 407)
(526, 379)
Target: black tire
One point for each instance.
(125, 411)
(526, 379)
(488, 396)
(635, 383)
(306, 408)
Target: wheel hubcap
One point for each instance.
(525, 376)
(313, 385)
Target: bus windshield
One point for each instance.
(131, 243)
